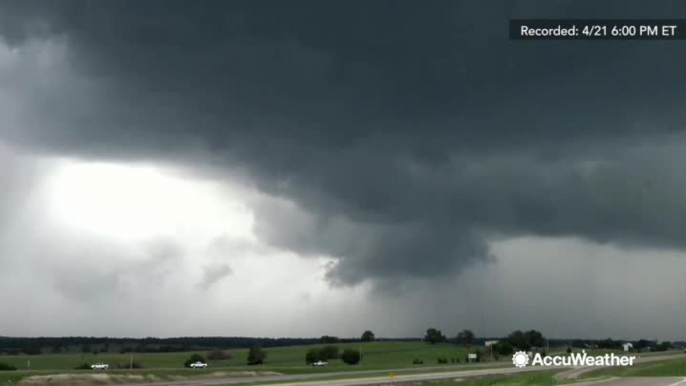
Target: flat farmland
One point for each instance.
(282, 360)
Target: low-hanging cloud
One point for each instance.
(401, 139)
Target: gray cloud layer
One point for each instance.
(407, 135)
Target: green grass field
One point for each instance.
(284, 360)
(374, 354)
(671, 368)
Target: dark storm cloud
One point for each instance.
(405, 132)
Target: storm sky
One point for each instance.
(300, 168)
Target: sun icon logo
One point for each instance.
(520, 359)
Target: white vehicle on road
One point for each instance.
(319, 363)
(100, 366)
(198, 365)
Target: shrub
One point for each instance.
(7, 367)
(256, 356)
(417, 362)
(194, 358)
(441, 360)
(351, 357)
(216, 355)
(83, 366)
(569, 350)
(313, 355)
(504, 348)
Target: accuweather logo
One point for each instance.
(521, 359)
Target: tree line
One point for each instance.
(517, 340)
(43, 345)
(34, 346)
(534, 340)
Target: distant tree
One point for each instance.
(641, 344)
(434, 336)
(105, 348)
(329, 339)
(609, 344)
(256, 356)
(368, 336)
(569, 350)
(465, 337)
(535, 338)
(664, 346)
(56, 349)
(503, 348)
(479, 355)
(194, 358)
(86, 348)
(313, 355)
(526, 340)
(351, 357)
